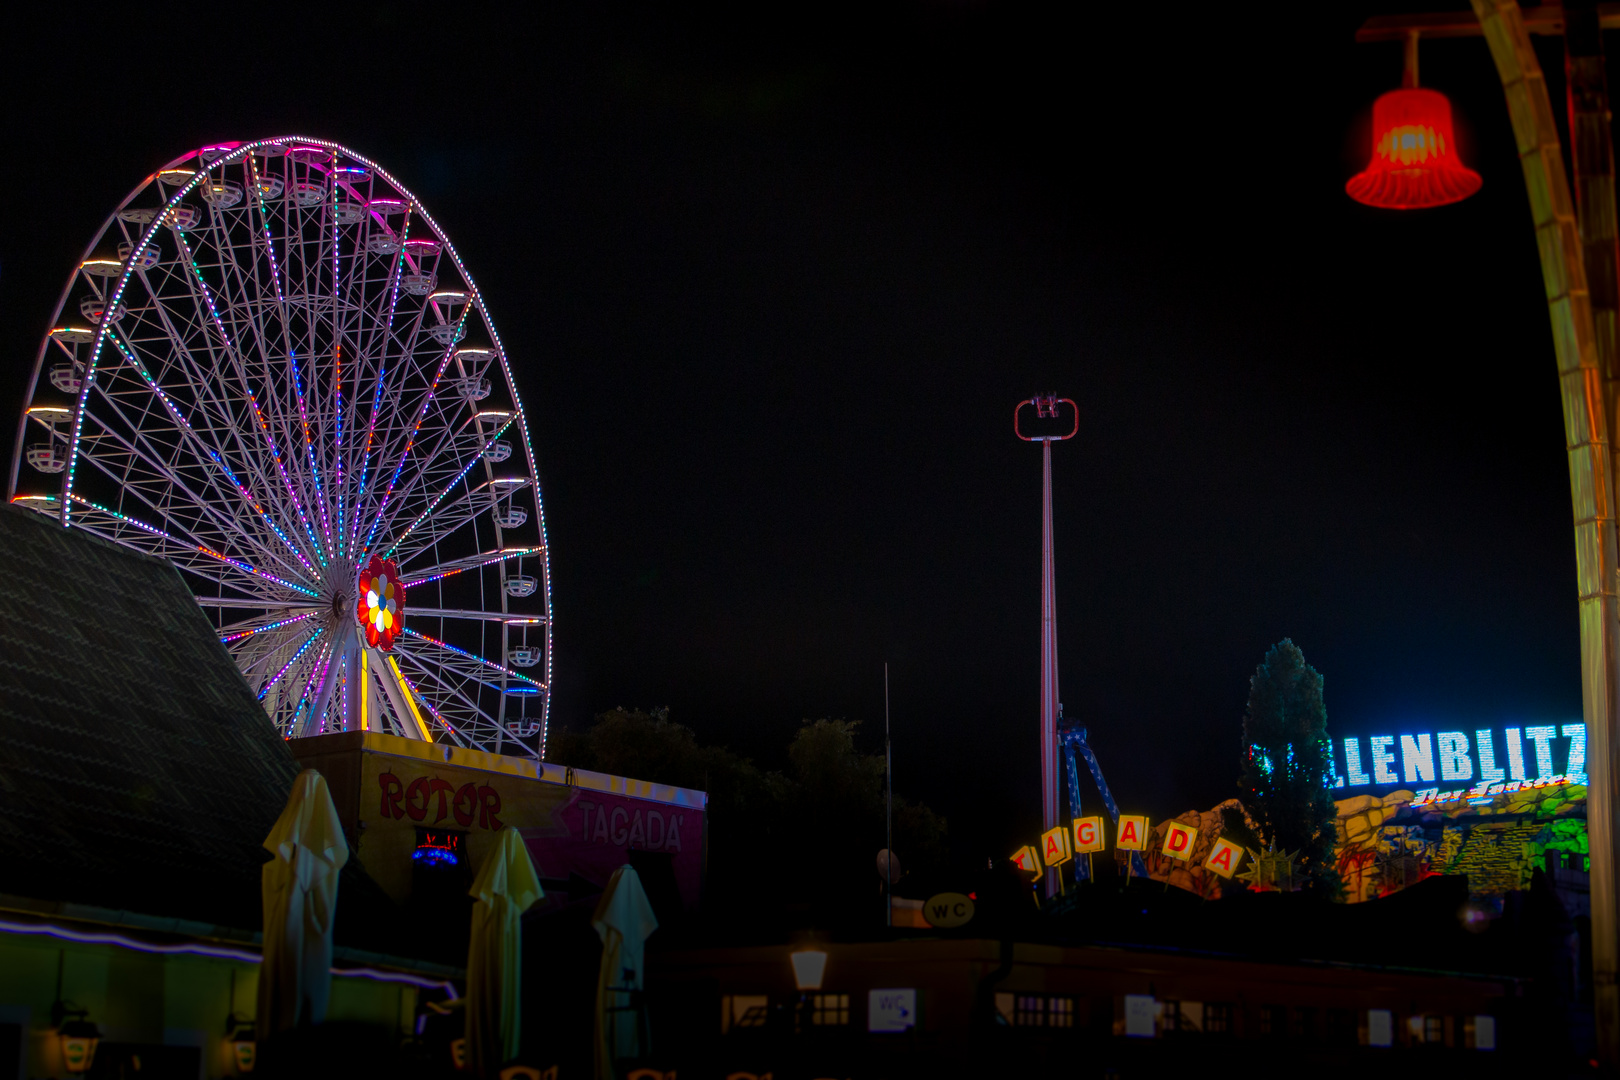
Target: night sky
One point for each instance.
(772, 289)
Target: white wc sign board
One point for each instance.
(891, 1010)
(1141, 1016)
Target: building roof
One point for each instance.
(137, 771)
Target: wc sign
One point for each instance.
(891, 1010)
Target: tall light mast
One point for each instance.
(1047, 407)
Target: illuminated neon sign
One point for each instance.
(1491, 759)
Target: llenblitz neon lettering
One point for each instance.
(1490, 759)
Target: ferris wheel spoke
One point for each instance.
(456, 515)
(260, 321)
(468, 664)
(441, 488)
(261, 657)
(443, 570)
(184, 431)
(477, 615)
(386, 395)
(261, 624)
(451, 696)
(177, 521)
(313, 676)
(405, 454)
(196, 557)
(156, 485)
(236, 321)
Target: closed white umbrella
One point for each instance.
(506, 887)
(624, 919)
(300, 898)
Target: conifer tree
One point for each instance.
(1288, 763)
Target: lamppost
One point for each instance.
(1580, 263)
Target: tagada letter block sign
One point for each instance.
(1133, 833)
(1028, 860)
(1088, 835)
(1179, 840)
(1224, 858)
(1055, 849)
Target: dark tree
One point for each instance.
(1287, 763)
(809, 835)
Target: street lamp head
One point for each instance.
(1414, 161)
(809, 965)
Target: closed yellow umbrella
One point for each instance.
(624, 920)
(300, 897)
(506, 886)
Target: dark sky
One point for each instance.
(773, 285)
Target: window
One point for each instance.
(1304, 1023)
(1434, 1030)
(1035, 1010)
(829, 1010)
(1218, 1018)
(1273, 1021)
(743, 1011)
(1030, 1011)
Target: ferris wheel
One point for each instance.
(272, 370)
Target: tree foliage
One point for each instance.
(1287, 762)
(811, 832)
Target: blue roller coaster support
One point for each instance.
(1070, 738)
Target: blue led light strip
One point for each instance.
(228, 638)
(448, 488)
(218, 952)
(302, 649)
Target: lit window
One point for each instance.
(743, 1011)
(1035, 1010)
(1218, 1018)
(1030, 1011)
(829, 1010)
(1434, 1029)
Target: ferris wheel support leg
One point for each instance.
(311, 724)
(387, 676)
(354, 688)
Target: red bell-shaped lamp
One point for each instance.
(1414, 159)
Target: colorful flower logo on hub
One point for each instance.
(382, 603)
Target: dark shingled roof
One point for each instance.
(137, 772)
